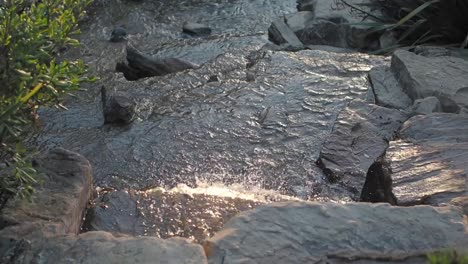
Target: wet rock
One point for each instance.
(429, 163)
(103, 247)
(139, 65)
(164, 213)
(115, 212)
(426, 106)
(387, 90)
(118, 34)
(359, 137)
(302, 232)
(334, 23)
(58, 205)
(443, 77)
(196, 29)
(117, 109)
(281, 34)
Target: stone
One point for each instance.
(117, 109)
(306, 5)
(118, 34)
(359, 138)
(280, 33)
(58, 205)
(426, 106)
(429, 162)
(387, 90)
(443, 77)
(432, 51)
(140, 66)
(196, 29)
(309, 232)
(335, 23)
(103, 247)
(115, 212)
(176, 212)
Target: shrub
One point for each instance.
(446, 257)
(33, 34)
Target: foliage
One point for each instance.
(33, 34)
(446, 257)
(417, 22)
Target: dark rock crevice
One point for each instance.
(378, 185)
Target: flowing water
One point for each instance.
(243, 129)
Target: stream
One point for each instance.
(243, 129)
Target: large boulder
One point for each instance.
(58, 204)
(304, 232)
(429, 162)
(443, 77)
(335, 24)
(359, 138)
(103, 247)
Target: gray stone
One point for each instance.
(118, 34)
(432, 51)
(426, 106)
(103, 247)
(334, 23)
(304, 232)
(429, 163)
(306, 5)
(116, 212)
(117, 109)
(442, 77)
(196, 29)
(359, 137)
(280, 33)
(387, 90)
(58, 205)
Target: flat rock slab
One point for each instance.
(444, 77)
(57, 205)
(429, 163)
(359, 137)
(164, 214)
(302, 232)
(103, 247)
(387, 90)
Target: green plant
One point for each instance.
(446, 257)
(33, 34)
(417, 22)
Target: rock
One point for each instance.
(280, 34)
(117, 109)
(429, 163)
(118, 34)
(306, 5)
(442, 77)
(432, 51)
(196, 29)
(58, 205)
(334, 23)
(164, 214)
(359, 137)
(387, 90)
(426, 106)
(115, 212)
(141, 66)
(305, 232)
(103, 247)
(388, 40)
